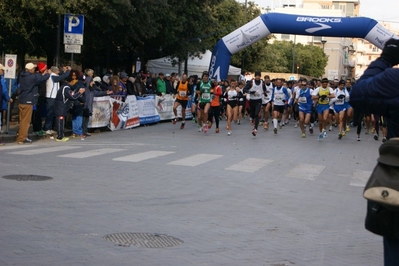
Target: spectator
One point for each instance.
(161, 85)
(131, 85)
(52, 87)
(29, 81)
(376, 92)
(4, 97)
(40, 105)
(77, 112)
(61, 107)
(169, 84)
(116, 86)
(105, 82)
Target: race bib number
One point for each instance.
(302, 100)
(279, 98)
(206, 96)
(182, 93)
(267, 98)
(339, 102)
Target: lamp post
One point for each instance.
(323, 42)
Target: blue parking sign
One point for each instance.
(73, 24)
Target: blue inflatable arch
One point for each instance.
(262, 26)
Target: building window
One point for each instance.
(317, 38)
(285, 36)
(370, 57)
(375, 49)
(325, 7)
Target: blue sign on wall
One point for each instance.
(73, 24)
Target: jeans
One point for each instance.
(48, 124)
(25, 115)
(391, 251)
(77, 124)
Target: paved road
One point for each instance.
(273, 200)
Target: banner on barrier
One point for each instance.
(120, 111)
(164, 106)
(133, 119)
(146, 108)
(101, 112)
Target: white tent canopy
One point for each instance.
(195, 65)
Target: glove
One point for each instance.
(390, 53)
(341, 97)
(252, 92)
(323, 97)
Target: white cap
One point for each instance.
(2, 67)
(30, 66)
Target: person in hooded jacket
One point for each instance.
(65, 96)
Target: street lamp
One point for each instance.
(323, 42)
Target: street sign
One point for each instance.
(10, 66)
(73, 48)
(73, 29)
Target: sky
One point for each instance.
(383, 10)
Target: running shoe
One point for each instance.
(50, 132)
(343, 133)
(295, 125)
(372, 130)
(26, 141)
(275, 130)
(303, 135)
(82, 137)
(209, 124)
(281, 126)
(239, 122)
(266, 125)
(254, 131)
(311, 130)
(205, 129)
(330, 128)
(375, 136)
(182, 125)
(340, 135)
(320, 138)
(64, 139)
(217, 130)
(325, 134)
(174, 121)
(384, 139)
(40, 133)
(348, 129)
(228, 133)
(366, 132)
(199, 129)
(358, 138)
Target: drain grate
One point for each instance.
(143, 240)
(27, 177)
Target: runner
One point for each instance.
(183, 90)
(305, 103)
(380, 121)
(322, 95)
(204, 88)
(279, 98)
(214, 111)
(241, 102)
(232, 95)
(255, 90)
(266, 101)
(340, 103)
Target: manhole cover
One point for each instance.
(143, 240)
(27, 177)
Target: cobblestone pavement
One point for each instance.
(275, 200)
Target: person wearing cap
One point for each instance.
(339, 103)
(29, 91)
(52, 87)
(256, 90)
(204, 88)
(323, 95)
(169, 84)
(161, 85)
(37, 121)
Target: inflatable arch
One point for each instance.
(260, 27)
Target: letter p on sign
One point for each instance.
(73, 24)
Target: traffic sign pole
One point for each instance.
(10, 65)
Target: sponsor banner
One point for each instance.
(164, 106)
(379, 35)
(119, 114)
(248, 34)
(101, 112)
(147, 112)
(133, 119)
